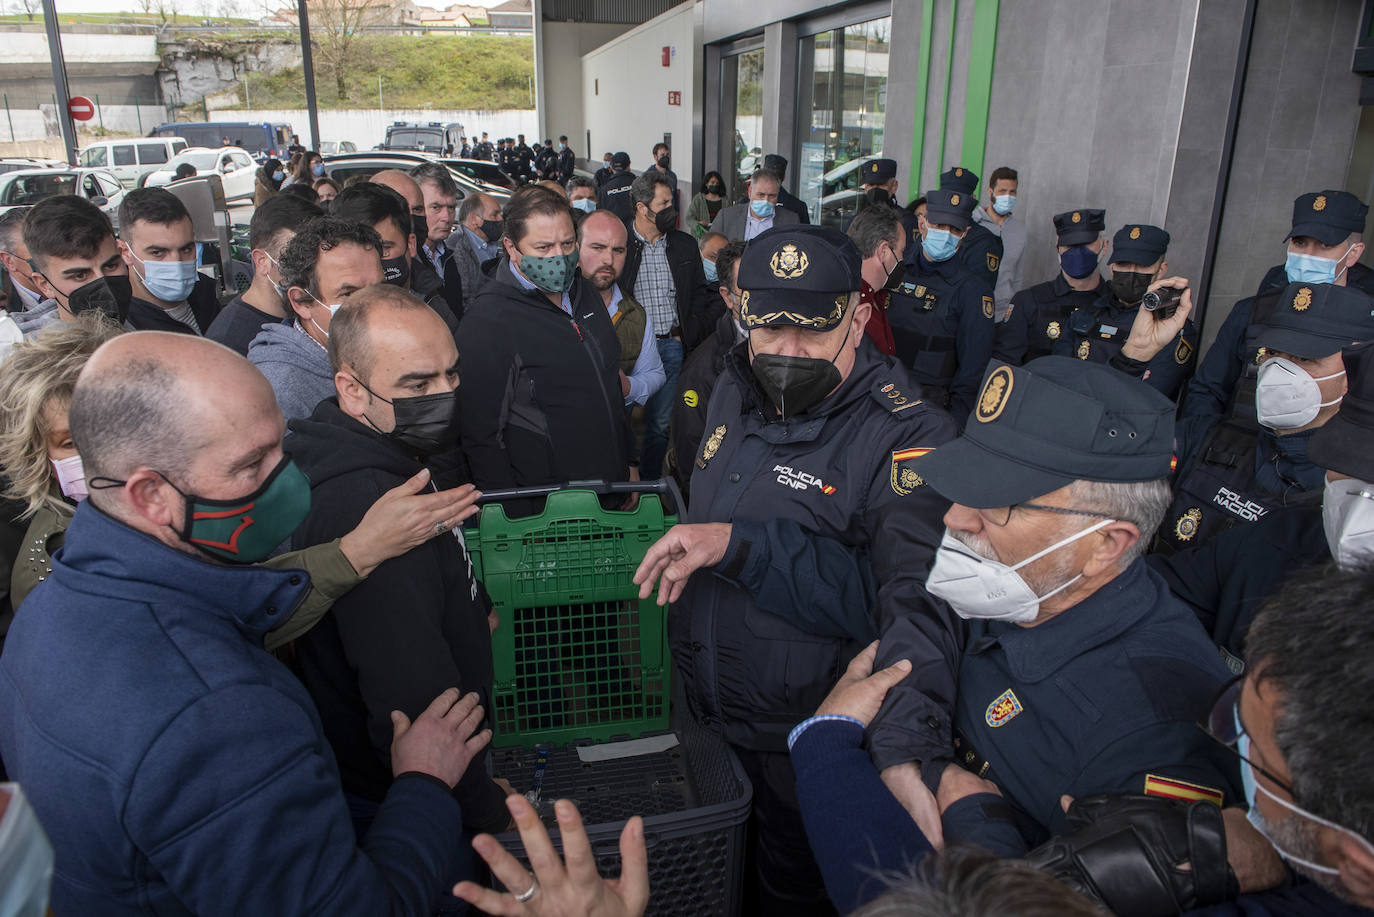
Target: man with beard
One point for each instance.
(602, 244)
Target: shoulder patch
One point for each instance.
(1183, 352)
(888, 395)
(987, 305)
(1170, 788)
(904, 479)
(993, 261)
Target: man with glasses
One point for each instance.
(1080, 673)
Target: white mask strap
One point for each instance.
(1059, 544)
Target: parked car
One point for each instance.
(342, 168)
(235, 168)
(262, 139)
(486, 172)
(29, 186)
(335, 147)
(15, 163)
(130, 160)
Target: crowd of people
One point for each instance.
(1007, 599)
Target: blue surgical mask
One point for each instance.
(585, 204)
(1002, 204)
(710, 268)
(317, 170)
(762, 209)
(1302, 268)
(169, 281)
(278, 175)
(939, 244)
(1078, 262)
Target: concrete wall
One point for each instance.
(625, 92)
(563, 45)
(367, 127)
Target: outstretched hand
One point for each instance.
(677, 555)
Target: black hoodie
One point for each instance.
(416, 626)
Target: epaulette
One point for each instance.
(886, 394)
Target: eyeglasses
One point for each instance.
(1224, 727)
(1001, 515)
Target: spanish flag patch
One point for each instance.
(1170, 788)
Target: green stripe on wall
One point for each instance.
(978, 98)
(949, 72)
(918, 124)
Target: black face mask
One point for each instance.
(492, 229)
(425, 424)
(396, 271)
(714, 188)
(110, 295)
(664, 160)
(419, 224)
(795, 384)
(879, 196)
(1129, 286)
(665, 219)
(896, 275)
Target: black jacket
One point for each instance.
(540, 393)
(146, 316)
(790, 201)
(698, 302)
(694, 386)
(437, 291)
(614, 195)
(416, 626)
(238, 323)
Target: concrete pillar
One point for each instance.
(780, 91)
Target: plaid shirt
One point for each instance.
(654, 284)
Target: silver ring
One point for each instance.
(534, 887)
(440, 527)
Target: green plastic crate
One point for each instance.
(578, 656)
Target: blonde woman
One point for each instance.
(44, 473)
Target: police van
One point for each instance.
(262, 139)
(435, 137)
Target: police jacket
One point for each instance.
(614, 195)
(942, 325)
(698, 302)
(694, 386)
(832, 539)
(1101, 698)
(1039, 317)
(1098, 332)
(1231, 473)
(566, 163)
(789, 201)
(980, 252)
(540, 398)
(1228, 579)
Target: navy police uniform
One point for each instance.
(786, 199)
(1101, 697)
(1224, 382)
(980, 250)
(1230, 472)
(614, 195)
(1039, 316)
(832, 537)
(942, 315)
(1099, 331)
(878, 172)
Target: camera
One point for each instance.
(1163, 302)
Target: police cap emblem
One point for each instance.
(1052, 331)
(995, 393)
(789, 263)
(958, 173)
(1135, 232)
(954, 200)
(1077, 217)
(1319, 203)
(1186, 527)
(1303, 299)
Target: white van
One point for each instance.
(131, 159)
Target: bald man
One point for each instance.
(420, 621)
(176, 767)
(602, 241)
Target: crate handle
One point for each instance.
(664, 487)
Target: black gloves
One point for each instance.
(1142, 856)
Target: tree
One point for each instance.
(336, 31)
(31, 7)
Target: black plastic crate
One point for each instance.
(695, 802)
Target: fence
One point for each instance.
(24, 124)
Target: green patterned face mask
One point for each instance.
(552, 274)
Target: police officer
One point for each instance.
(1098, 331)
(879, 179)
(810, 536)
(1324, 246)
(980, 251)
(786, 199)
(1039, 315)
(942, 315)
(508, 161)
(1229, 472)
(1057, 483)
(524, 157)
(614, 194)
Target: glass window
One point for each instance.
(741, 81)
(152, 153)
(843, 99)
(108, 186)
(124, 154)
(94, 157)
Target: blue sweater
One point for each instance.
(176, 766)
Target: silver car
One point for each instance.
(29, 186)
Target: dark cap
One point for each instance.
(1078, 227)
(620, 161)
(1314, 320)
(1345, 443)
(1042, 426)
(950, 208)
(879, 171)
(959, 179)
(773, 162)
(798, 275)
(1139, 243)
(1328, 216)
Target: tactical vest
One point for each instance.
(1095, 338)
(1053, 322)
(1242, 406)
(1218, 491)
(924, 318)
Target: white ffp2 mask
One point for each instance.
(1286, 397)
(1348, 518)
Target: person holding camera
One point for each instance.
(1098, 331)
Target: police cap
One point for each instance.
(1314, 320)
(950, 208)
(1139, 243)
(1042, 426)
(1077, 227)
(798, 275)
(620, 161)
(1328, 216)
(959, 179)
(879, 171)
(1345, 443)
(774, 162)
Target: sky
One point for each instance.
(249, 7)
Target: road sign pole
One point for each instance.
(308, 66)
(59, 79)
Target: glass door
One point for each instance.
(741, 81)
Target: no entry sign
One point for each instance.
(81, 108)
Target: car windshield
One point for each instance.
(203, 160)
(30, 189)
(415, 138)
